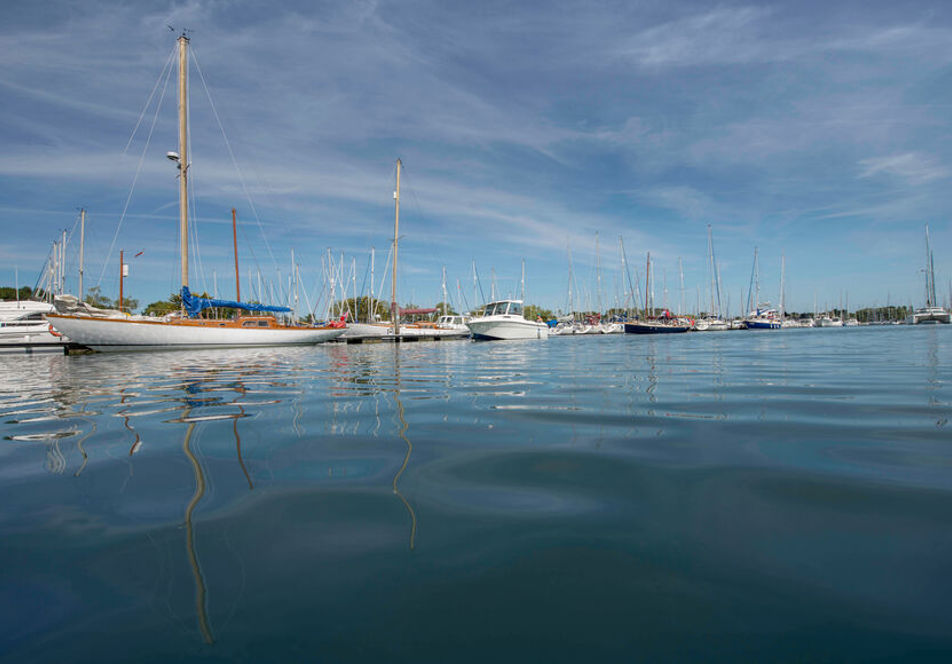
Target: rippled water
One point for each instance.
(761, 496)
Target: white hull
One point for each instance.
(29, 334)
(430, 331)
(711, 325)
(507, 327)
(111, 334)
(931, 315)
(362, 330)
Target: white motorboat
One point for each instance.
(118, 333)
(829, 321)
(453, 322)
(23, 323)
(711, 324)
(504, 320)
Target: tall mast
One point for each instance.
(930, 275)
(82, 248)
(598, 275)
(394, 309)
(122, 274)
(183, 154)
(715, 274)
(370, 315)
(234, 235)
(757, 278)
(445, 296)
(681, 299)
(647, 282)
(783, 260)
(524, 277)
(62, 287)
(710, 258)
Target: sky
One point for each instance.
(539, 133)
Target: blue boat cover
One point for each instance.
(194, 305)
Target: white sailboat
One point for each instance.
(713, 322)
(932, 313)
(178, 330)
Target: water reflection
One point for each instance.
(402, 433)
(507, 459)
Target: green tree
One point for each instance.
(163, 307)
(9, 293)
(445, 309)
(359, 308)
(94, 297)
(532, 311)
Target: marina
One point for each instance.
(429, 332)
(717, 493)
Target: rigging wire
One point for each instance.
(193, 200)
(234, 162)
(167, 73)
(168, 64)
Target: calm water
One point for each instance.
(759, 496)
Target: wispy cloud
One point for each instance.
(913, 167)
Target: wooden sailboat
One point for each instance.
(651, 324)
(185, 329)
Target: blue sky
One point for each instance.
(815, 130)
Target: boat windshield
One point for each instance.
(515, 308)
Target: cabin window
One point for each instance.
(515, 308)
(262, 323)
(248, 323)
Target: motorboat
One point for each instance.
(23, 323)
(504, 319)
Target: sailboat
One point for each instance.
(761, 316)
(663, 324)
(713, 321)
(184, 329)
(932, 313)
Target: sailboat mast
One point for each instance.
(930, 274)
(710, 257)
(183, 154)
(62, 288)
(598, 275)
(783, 260)
(394, 310)
(443, 286)
(82, 248)
(681, 298)
(524, 279)
(647, 282)
(234, 236)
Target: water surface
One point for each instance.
(737, 496)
